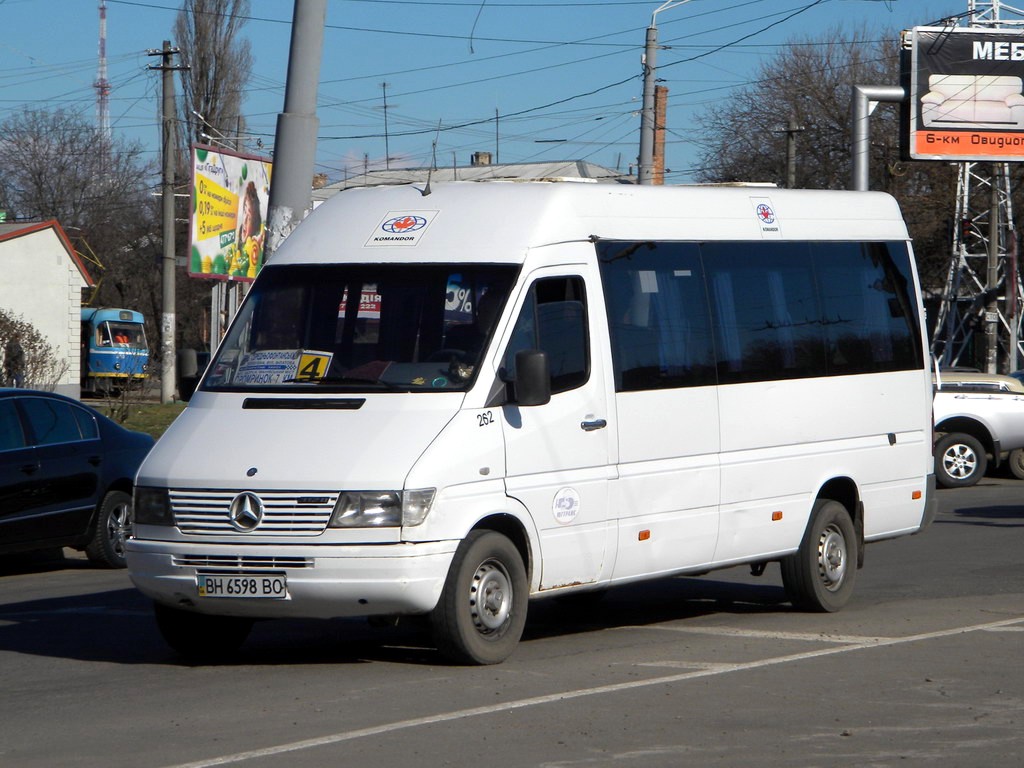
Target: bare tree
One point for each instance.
(219, 60)
(810, 82)
(58, 165)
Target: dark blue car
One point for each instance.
(66, 474)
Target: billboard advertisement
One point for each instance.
(227, 228)
(966, 94)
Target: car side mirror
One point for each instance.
(533, 378)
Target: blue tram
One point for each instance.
(115, 354)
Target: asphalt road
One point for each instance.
(924, 667)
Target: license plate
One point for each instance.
(264, 585)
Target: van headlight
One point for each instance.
(381, 509)
(152, 506)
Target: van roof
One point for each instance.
(498, 221)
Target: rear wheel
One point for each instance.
(820, 575)
(200, 636)
(482, 611)
(960, 460)
(113, 526)
(1016, 463)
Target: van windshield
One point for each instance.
(369, 327)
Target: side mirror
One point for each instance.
(533, 378)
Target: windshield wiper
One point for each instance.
(345, 380)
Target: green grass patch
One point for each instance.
(152, 418)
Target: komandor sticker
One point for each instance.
(766, 217)
(566, 505)
(401, 228)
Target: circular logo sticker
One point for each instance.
(566, 506)
(402, 224)
(765, 213)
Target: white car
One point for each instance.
(977, 416)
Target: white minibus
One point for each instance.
(448, 401)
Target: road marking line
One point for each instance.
(759, 634)
(461, 714)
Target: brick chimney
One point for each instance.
(660, 106)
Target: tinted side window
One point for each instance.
(51, 421)
(11, 434)
(657, 315)
(554, 320)
(766, 309)
(870, 318)
(86, 423)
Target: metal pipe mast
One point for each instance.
(981, 301)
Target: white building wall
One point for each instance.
(42, 285)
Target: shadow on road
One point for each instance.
(1004, 516)
(117, 626)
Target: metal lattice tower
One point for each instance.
(102, 85)
(979, 320)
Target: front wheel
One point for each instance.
(113, 526)
(201, 637)
(482, 611)
(820, 575)
(960, 461)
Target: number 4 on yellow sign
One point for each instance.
(313, 365)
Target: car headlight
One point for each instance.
(152, 506)
(381, 509)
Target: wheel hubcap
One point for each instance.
(959, 461)
(832, 558)
(118, 523)
(490, 597)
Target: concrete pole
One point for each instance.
(864, 99)
(645, 171)
(168, 323)
(295, 142)
(792, 128)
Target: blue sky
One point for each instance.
(563, 78)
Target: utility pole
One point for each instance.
(387, 149)
(295, 141)
(645, 169)
(168, 325)
(792, 129)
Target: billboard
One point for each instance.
(966, 94)
(227, 228)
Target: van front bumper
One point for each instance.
(322, 581)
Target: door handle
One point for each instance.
(29, 469)
(95, 460)
(590, 426)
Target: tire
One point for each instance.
(113, 526)
(960, 461)
(1016, 463)
(482, 611)
(820, 576)
(201, 637)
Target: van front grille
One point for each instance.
(243, 563)
(285, 513)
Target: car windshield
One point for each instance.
(369, 327)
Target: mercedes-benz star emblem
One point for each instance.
(245, 512)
